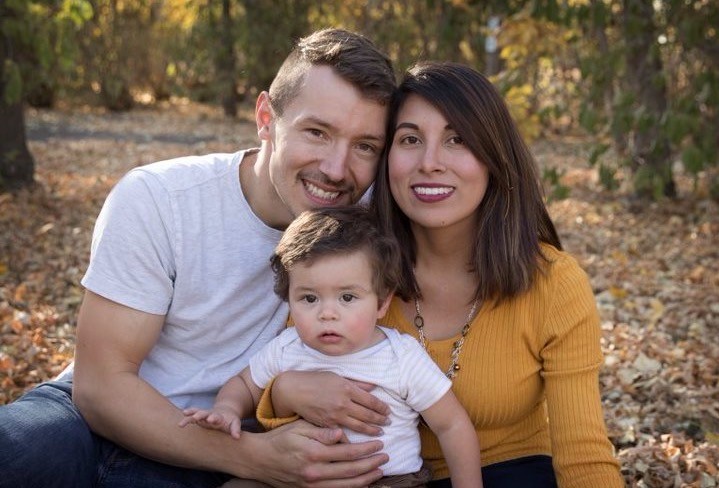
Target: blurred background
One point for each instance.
(619, 100)
(641, 76)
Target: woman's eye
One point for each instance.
(409, 140)
(456, 140)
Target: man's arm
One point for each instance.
(112, 342)
(460, 446)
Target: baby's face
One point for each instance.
(334, 305)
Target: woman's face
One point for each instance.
(434, 178)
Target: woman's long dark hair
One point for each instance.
(512, 219)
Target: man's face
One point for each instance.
(325, 146)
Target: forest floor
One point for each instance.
(654, 268)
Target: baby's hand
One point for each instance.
(215, 419)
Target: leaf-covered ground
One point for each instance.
(654, 269)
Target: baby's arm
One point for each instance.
(460, 446)
(236, 400)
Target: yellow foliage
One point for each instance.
(712, 437)
(518, 99)
(179, 13)
(618, 292)
(523, 38)
(466, 50)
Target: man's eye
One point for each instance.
(347, 297)
(368, 148)
(316, 133)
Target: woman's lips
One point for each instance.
(432, 192)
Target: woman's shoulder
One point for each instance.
(558, 267)
(556, 259)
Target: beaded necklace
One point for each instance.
(456, 347)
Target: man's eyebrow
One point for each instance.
(311, 119)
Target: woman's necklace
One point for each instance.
(456, 347)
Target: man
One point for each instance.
(179, 296)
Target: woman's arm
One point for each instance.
(571, 357)
(460, 445)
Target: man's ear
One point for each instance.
(263, 116)
(384, 304)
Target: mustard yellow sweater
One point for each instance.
(529, 378)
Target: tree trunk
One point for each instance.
(491, 47)
(17, 167)
(226, 64)
(611, 86)
(651, 150)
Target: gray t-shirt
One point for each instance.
(178, 238)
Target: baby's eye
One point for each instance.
(308, 298)
(347, 297)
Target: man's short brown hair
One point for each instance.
(353, 57)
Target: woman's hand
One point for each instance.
(328, 400)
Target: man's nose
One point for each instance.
(334, 164)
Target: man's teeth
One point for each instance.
(432, 191)
(320, 193)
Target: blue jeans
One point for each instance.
(45, 443)
(524, 472)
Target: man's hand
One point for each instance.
(300, 454)
(328, 400)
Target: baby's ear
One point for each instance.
(384, 304)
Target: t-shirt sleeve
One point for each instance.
(421, 378)
(132, 259)
(266, 364)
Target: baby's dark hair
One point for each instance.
(334, 231)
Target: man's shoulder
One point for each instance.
(181, 173)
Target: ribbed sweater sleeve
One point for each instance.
(571, 357)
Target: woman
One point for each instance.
(486, 288)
